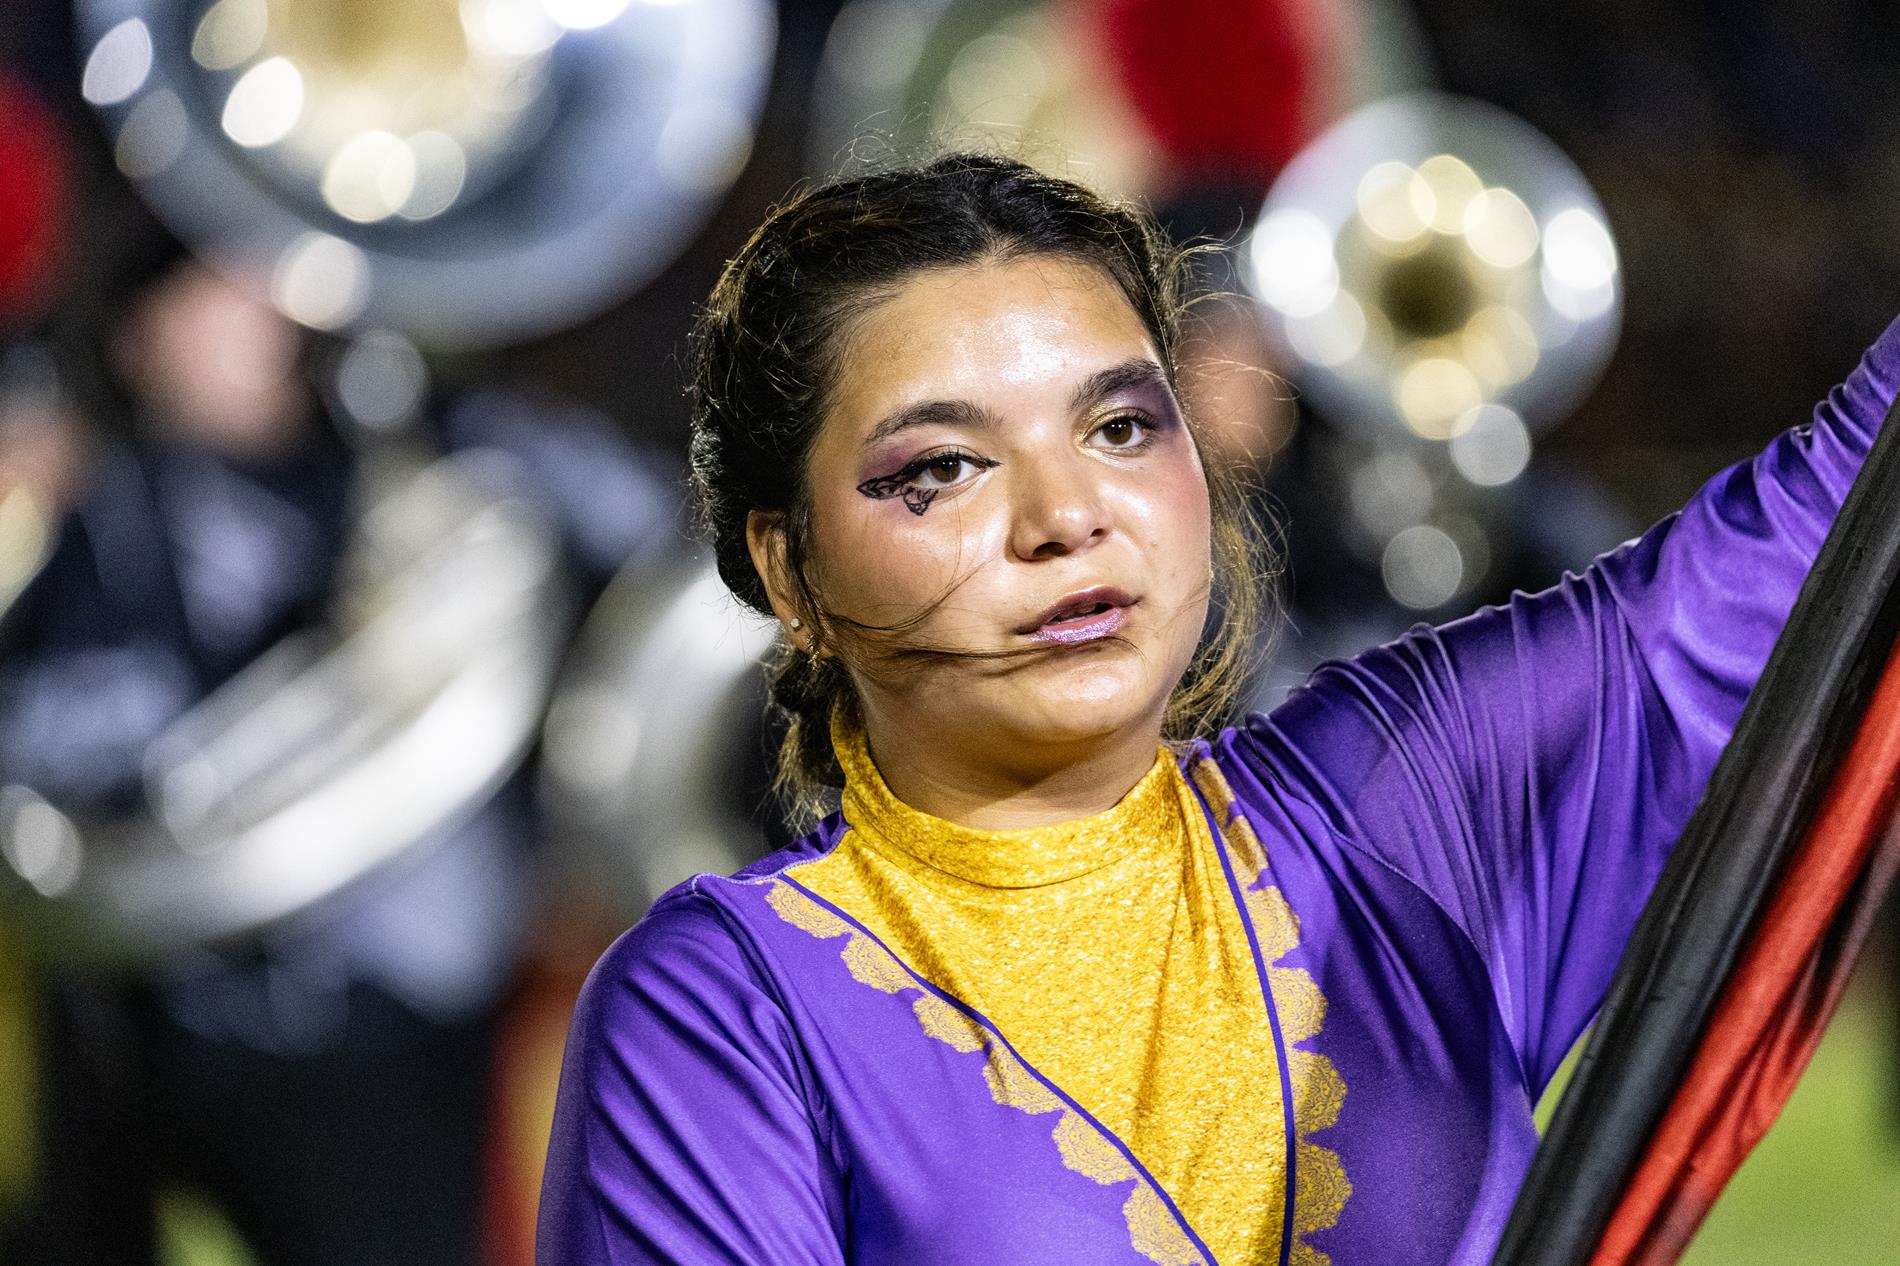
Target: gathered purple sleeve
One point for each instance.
(682, 1131)
(1530, 766)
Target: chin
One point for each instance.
(1092, 699)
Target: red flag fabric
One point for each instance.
(1771, 1012)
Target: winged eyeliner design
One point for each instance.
(916, 500)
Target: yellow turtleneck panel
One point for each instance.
(1111, 955)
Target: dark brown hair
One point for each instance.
(765, 356)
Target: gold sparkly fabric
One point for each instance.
(1318, 1089)
(1110, 954)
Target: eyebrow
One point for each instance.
(1137, 371)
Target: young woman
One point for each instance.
(1070, 978)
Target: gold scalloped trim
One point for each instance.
(1301, 1005)
(871, 964)
(807, 915)
(1321, 1188)
(1153, 1230)
(1013, 1086)
(1088, 1153)
(1274, 922)
(947, 1024)
(1318, 1090)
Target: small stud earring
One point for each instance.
(797, 624)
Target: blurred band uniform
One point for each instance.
(325, 1082)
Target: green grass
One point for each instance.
(16, 1088)
(1823, 1188)
(191, 1232)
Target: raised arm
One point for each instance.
(682, 1132)
(1531, 765)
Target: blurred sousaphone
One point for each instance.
(1441, 282)
(338, 751)
(654, 761)
(469, 172)
(1027, 77)
(1432, 260)
(445, 174)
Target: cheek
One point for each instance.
(880, 563)
(1171, 506)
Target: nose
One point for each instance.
(1059, 507)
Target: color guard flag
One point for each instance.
(1744, 948)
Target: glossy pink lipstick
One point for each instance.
(1086, 616)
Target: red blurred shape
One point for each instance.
(32, 203)
(1227, 87)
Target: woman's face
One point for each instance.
(1005, 463)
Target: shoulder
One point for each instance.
(682, 948)
(696, 949)
(681, 999)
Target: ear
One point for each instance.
(765, 541)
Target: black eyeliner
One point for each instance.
(917, 500)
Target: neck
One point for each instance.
(996, 784)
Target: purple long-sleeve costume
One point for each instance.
(1465, 822)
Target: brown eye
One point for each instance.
(945, 470)
(1126, 431)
